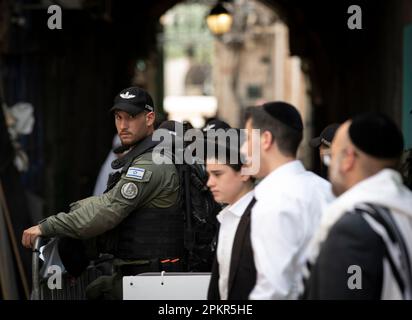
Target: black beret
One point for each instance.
(285, 113)
(377, 135)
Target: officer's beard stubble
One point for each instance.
(126, 146)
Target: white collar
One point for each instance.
(239, 207)
(272, 179)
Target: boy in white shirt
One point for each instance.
(233, 272)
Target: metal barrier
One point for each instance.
(35, 294)
(72, 288)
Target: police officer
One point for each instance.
(138, 219)
(323, 143)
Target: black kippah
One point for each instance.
(285, 113)
(376, 135)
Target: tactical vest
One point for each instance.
(147, 233)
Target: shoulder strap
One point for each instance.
(381, 221)
(142, 147)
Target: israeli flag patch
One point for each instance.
(136, 173)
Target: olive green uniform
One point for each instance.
(158, 187)
(144, 185)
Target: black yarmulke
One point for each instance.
(285, 113)
(376, 135)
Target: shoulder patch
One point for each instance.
(129, 190)
(135, 172)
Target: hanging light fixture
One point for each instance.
(219, 20)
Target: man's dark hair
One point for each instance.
(223, 155)
(287, 138)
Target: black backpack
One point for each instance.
(200, 211)
(198, 206)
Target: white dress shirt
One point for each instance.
(229, 219)
(287, 213)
